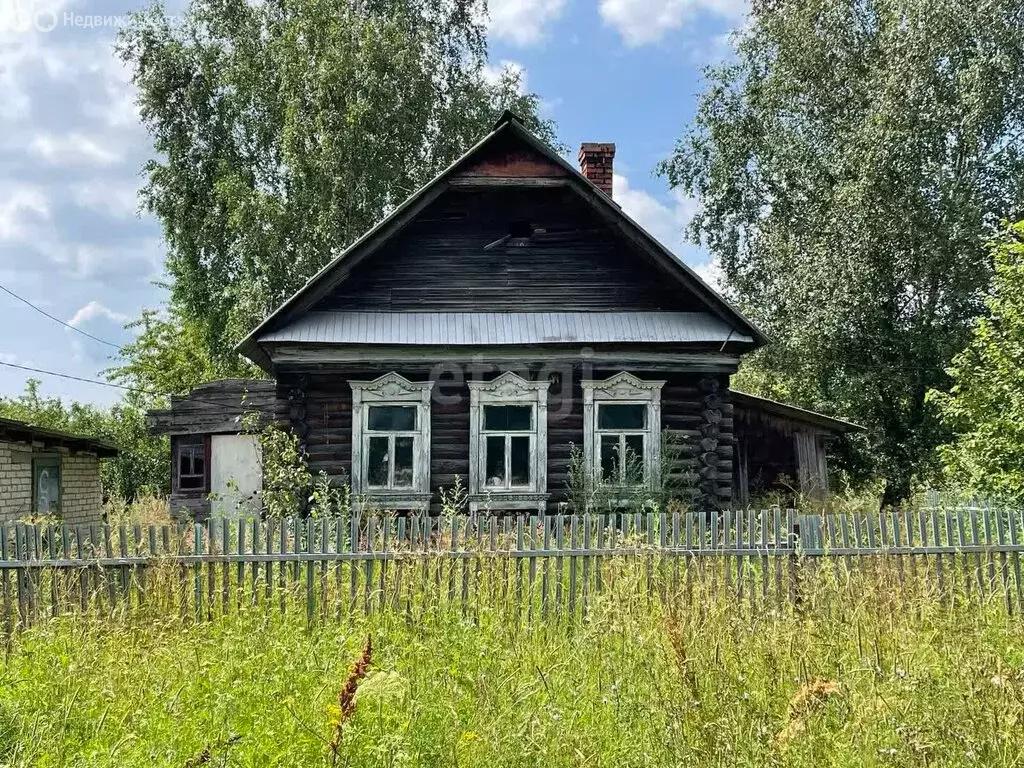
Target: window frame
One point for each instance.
(620, 433)
(391, 389)
(47, 460)
(508, 389)
(192, 442)
(391, 435)
(622, 389)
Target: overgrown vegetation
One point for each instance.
(986, 404)
(859, 676)
(851, 160)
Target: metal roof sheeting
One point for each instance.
(504, 328)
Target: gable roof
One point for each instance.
(508, 126)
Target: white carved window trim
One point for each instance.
(391, 389)
(623, 389)
(508, 389)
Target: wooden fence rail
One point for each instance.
(540, 565)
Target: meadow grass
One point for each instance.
(856, 675)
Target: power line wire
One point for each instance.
(57, 319)
(108, 384)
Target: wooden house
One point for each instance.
(504, 315)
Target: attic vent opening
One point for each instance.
(520, 230)
(520, 235)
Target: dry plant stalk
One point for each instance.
(678, 643)
(347, 696)
(804, 703)
(206, 755)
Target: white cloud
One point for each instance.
(647, 21)
(667, 223)
(119, 201)
(19, 210)
(94, 310)
(523, 22)
(72, 149)
(493, 73)
(711, 273)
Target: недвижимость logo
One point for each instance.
(27, 16)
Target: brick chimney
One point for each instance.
(596, 164)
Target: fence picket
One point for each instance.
(1015, 557)
(564, 558)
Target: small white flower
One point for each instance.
(970, 754)
(746, 696)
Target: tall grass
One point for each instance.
(854, 675)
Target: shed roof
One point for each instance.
(750, 402)
(498, 328)
(13, 430)
(509, 125)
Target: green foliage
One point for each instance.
(285, 130)
(169, 356)
(676, 492)
(287, 482)
(289, 488)
(142, 467)
(851, 161)
(869, 680)
(985, 406)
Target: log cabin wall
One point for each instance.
(695, 410)
(441, 261)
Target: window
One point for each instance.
(391, 441)
(190, 464)
(46, 484)
(508, 443)
(622, 430)
(391, 438)
(509, 439)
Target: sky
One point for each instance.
(72, 149)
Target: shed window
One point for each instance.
(46, 484)
(190, 466)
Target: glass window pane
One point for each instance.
(46, 482)
(403, 462)
(185, 461)
(495, 461)
(634, 469)
(392, 418)
(377, 462)
(191, 467)
(609, 457)
(508, 418)
(520, 460)
(621, 416)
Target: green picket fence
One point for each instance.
(540, 565)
